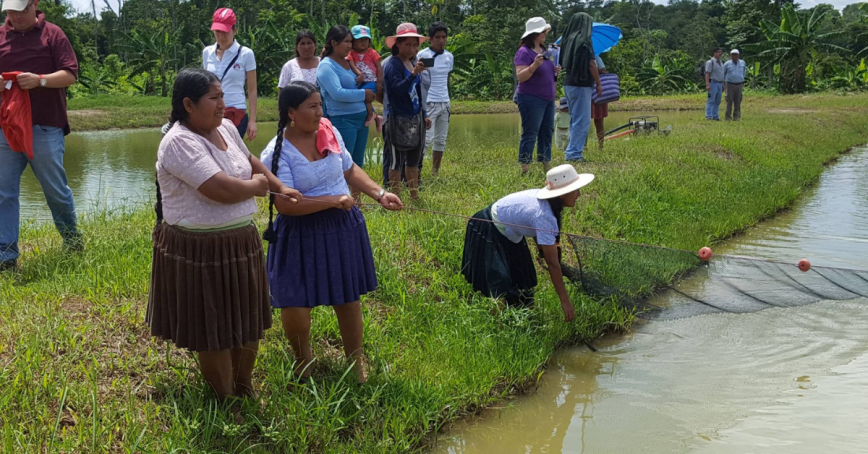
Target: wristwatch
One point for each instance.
(381, 194)
(42, 81)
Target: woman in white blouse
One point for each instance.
(233, 64)
(303, 66)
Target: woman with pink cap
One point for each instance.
(234, 65)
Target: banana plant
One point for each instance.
(659, 78)
(151, 54)
(794, 44)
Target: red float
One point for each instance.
(705, 254)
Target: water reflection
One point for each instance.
(109, 169)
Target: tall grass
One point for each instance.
(79, 373)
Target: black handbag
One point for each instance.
(405, 132)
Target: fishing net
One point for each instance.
(668, 283)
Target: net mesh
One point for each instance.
(670, 283)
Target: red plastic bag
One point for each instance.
(15, 118)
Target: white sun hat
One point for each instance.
(734, 51)
(535, 25)
(563, 179)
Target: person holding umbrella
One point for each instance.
(577, 59)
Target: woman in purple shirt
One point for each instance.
(535, 95)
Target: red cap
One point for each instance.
(224, 20)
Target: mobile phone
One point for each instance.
(428, 62)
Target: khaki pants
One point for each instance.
(562, 138)
(733, 99)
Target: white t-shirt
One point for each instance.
(443, 64)
(292, 71)
(236, 77)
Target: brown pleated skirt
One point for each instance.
(209, 290)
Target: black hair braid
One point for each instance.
(270, 234)
(291, 97)
(557, 206)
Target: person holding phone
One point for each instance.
(440, 63)
(408, 120)
(535, 94)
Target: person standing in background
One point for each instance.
(233, 64)
(562, 125)
(714, 85)
(345, 101)
(438, 105)
(47, 64)
(304, 65)
(599, 112)
(734, 72)
(536, 94)
(577, 58)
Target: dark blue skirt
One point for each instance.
(320, 259)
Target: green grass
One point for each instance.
(124, 111)
(79, 372)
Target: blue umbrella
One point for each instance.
(603, 37)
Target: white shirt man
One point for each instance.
(438, 106)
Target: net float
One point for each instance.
(705, 254)
(804, 265)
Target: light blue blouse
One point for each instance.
(524, 209)
(341, 94)
(312, 179)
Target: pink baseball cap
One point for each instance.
(224, 20)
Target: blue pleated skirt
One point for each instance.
(320, 259)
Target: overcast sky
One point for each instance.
(84, 5)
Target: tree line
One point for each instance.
(137, 46)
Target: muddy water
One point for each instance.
(115, 169)
(788, 380)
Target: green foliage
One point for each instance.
(153, 39)
(795, 45)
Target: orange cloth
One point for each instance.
(15, 116)
(326, 141)
(234, 115)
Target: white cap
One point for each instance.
(734, 51)
(14, 5)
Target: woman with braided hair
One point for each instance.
(319, 252)
(209, 290)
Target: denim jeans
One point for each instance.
(47, 165)
(579, 100)
(712, 106)
(537, 126)
(355, 134)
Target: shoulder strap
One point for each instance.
(231, 63)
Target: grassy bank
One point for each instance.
(107, 112)
(80, 373)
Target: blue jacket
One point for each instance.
(398, 81)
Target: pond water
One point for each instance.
(776, 381)
(110, 169)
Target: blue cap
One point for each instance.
(360, 31)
